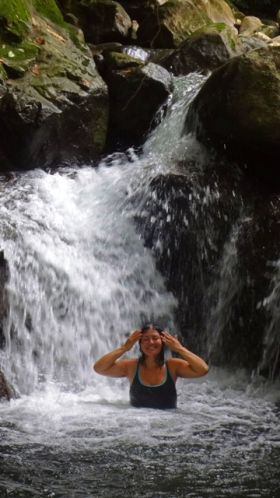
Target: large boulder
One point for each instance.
(137, 90)
(249, 25)
(186, 219)
(216, 241)
(238, 111)
(53, 102)
(166, 24)
(205, 50)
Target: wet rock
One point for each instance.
(249, 25)
(136, 90)
(186, 220)
(217, 243)
(205, 50)
(49, 84)
(238, 111)
(6, 390)
(243, 328)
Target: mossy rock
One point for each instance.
(15, 18)
(17, 58)
(50, 10)
(118, 60)
(3, 74)
(206, 49)
(171, 23)
(51, 85)
(238, 111)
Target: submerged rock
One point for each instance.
(53, 103)
(238, 111)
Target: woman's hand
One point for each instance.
(132, 339)
(171, 342)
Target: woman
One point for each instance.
(152, 380)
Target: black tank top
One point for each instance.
(161, 396)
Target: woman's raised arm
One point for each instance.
(110, 365)
(190, 365)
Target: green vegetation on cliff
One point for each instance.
(50, 10)
(14, 17)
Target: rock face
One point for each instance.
(166, 24)
(217, 243)
(186, 220)
(205, 50)
(238, 111)
(136, 90)
(53, 103)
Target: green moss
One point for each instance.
(16, 59)
(49, 9)
(118, 60)
(14, 18)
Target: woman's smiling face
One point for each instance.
(151, 342)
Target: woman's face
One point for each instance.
(151, 342)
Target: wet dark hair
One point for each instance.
(160, 356)
(148, 326)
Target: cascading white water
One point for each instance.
(80, 280)
(80, 277)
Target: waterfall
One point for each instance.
(81, 278)
(271, 351)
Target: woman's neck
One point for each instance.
(150, 362)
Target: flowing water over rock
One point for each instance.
(81, 279)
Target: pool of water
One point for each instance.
(222, 441)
